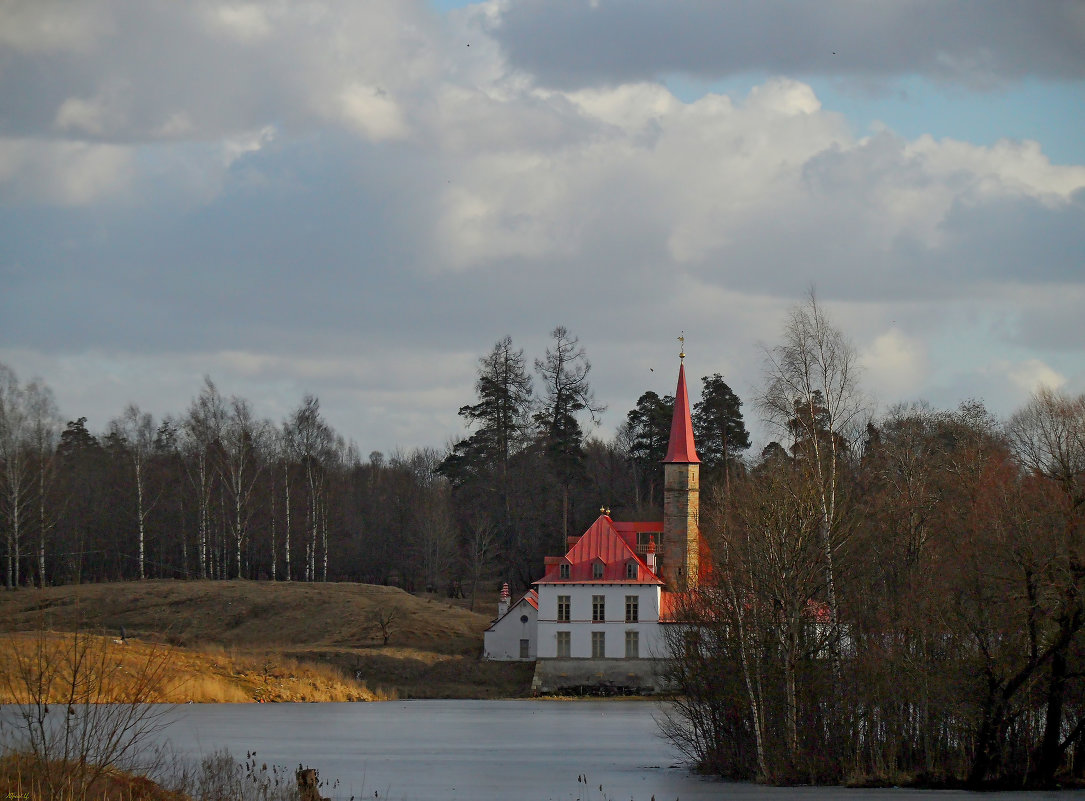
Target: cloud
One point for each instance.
(372, 112)
(347, 199)
(47, 26)
(62, 173)
(247, 22)
(1032, 374)
(895, 364)
(129, 73)
(576, 43)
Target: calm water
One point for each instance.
(484, 751)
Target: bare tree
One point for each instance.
(201, 427)
(1048, 436)
(812, 394)
(44, 422)
(243, 442)
(136, 430)
(480, 550)
(80, 710)
(383, 618)
(311, 442)
(16, 478)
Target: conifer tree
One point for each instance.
(564, 373)
(649, 426)
(718, 426)
(500, 417)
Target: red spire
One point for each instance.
(681, 448)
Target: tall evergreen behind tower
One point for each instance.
(681, 497)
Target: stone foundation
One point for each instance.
(597, 676)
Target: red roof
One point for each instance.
(600, 544)
(681, 449)
(530, 596)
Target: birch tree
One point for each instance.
(241, 453)
(200, 433)
(312, 443)
(812, 394)
(17, 471)
(44, 430)
(135, 429)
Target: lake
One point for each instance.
(484, 751)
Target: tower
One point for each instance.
(681, 496)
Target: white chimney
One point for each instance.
(652, 553)
(503, 601)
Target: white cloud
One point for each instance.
(1031, 374)
(235, 147)
(85, 116)
(895, 365)
(62, 173)
(247, 22)
(784, 97)
(630, 107)
(372, 112)
(1006, 168)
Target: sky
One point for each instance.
(357, 200)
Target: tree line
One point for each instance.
(895, 599)
(219, 493)
(214, 493)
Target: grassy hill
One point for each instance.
(241, 640)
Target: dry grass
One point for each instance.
(20, 780)
(261, 641)
(185, 675)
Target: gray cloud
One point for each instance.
(352, 203)
(571, 43)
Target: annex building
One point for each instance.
(598, 614)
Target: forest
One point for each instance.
(893, 596)
(892, 600)
(218, 493)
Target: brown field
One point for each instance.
(251, 641)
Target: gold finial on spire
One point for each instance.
(682, 353)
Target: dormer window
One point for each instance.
(631, 570)
(597, 570)
(563, 570)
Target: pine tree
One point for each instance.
(717, 424)
(500, 418)
(649, 426)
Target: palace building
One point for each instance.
(597, 616)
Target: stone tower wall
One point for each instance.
(681, 525)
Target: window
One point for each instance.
(632, 612)
(630, 569)
(563, 608)
(563, 644)
(632, 645)
(597, 570)
(563, 570)
(598, 609)
(525, 645)
(598, 645)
